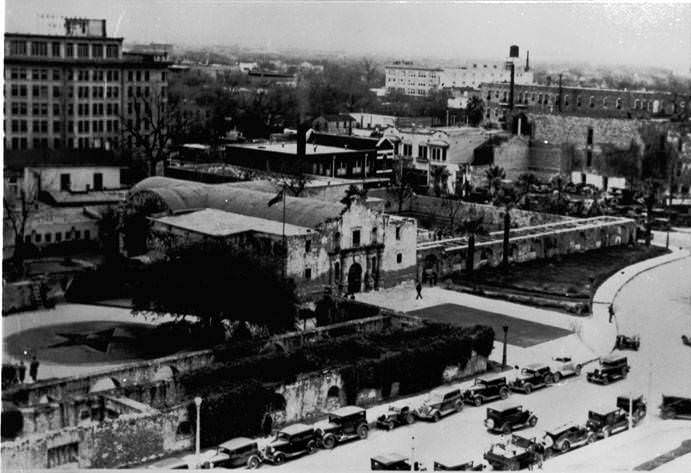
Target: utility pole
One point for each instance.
(560, 94)
(503, 355)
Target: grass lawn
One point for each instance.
(572, 276)
(522, 333)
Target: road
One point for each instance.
(656, 304)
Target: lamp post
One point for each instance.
(198, 403)
(503, 355)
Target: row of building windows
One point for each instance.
(21, 143)
(83, 126)
(57, 237)
(83, 75)
(546, 99)
(83, 109)
(55, 49)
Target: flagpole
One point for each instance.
(285, 247)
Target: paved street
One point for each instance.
(656, 304)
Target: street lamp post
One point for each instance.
(198, 403)
(503, 355)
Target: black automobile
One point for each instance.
(634, 405)
(612, 368)
(533, 376)
(517, 454)
(565, 437)
(391, 462)
(290, 442)
(346, 423)
(675, 407)
(395, 416)
(235, 453)
(604, 421)
(508, 417)
(484, 390)
(627, 342)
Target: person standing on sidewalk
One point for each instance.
(33, 369)
(418, 288)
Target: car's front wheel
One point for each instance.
(532, 421)
(605, 432)
(506, 429)
(253, 463)
(329, 442)
(362, 432)
(548, 379)
(528, 389)
(557, 377)
(279, 459)
(410, 418)
(504, 393)
(436, 417)
(458, 406)
(311, 447)
(578, 370)
(477, 401)
(565, 446)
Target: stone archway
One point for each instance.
(354, 278)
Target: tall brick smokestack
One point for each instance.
(303, 128)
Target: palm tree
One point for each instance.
(506, 197)
(494, 175)
(472, 227)
(440, 177)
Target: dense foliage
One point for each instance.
(216, 282)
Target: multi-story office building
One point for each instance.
(78, 90)
(411, 79)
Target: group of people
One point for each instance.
(19, 371)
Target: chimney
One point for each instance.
(302, 140)
(527, 61)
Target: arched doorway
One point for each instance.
(354, 278)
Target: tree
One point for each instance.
(150, 129)
(440, 177)
(475, 110)
(494, 175)
(506, 197)
(402, 185)
(217, 281)
(19, 205)
(353, 192)
(472, 226)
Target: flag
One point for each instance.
(277, 198)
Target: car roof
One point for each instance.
(505, 406)
(535, 366)
(237, 442)
(347, 411)
(491, 379)
(562, 427)
(392, 457)
(603, 409)
(295, 429)
(612, 358)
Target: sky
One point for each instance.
(648, 34)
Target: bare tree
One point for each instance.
(19, 206)
(150, 126)
(402, 185)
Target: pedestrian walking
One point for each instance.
(611, 312)
(418, 288)
(22, 371)
(33, 368)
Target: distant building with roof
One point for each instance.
(346, 248)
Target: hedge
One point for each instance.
(238, 398)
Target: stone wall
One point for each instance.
(581, 235)
(426, 208)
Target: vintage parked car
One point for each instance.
(392, 462)
(606, 421)
(533, 376)
(675, 407)
(508, 417)
(636, 405)
(235, 453)
(612, 368)
(467, 466)
(395, 416)
(291, 441)
(484, 390)
(564, 367)
(565, 437)
(518, 454)
(440, 402)
(346, 423)
(626, 342)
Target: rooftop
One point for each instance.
(288, 147)
(575, 87)
(218, 223)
